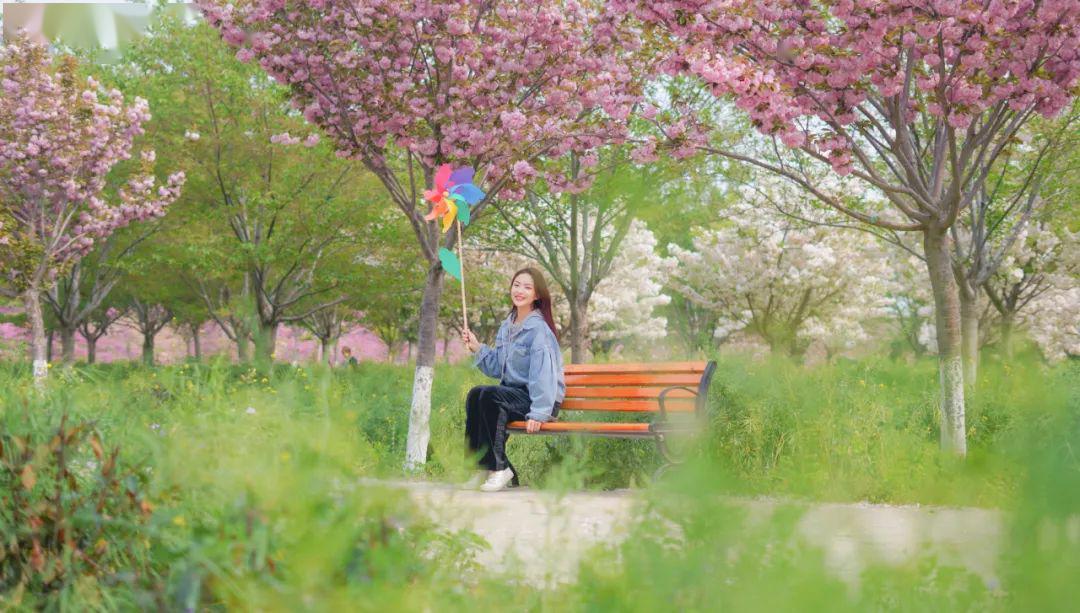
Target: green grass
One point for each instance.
(256, 501)
(848, 431)
(869, 430)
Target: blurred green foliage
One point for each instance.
(258, 492)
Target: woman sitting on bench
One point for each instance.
(528, 363)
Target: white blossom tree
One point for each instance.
(624, 305)
(784, 280)
(911, 305)
(1021, 189)
(1037, 288)
(1053, 323)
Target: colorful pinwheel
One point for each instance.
(452, 196)
(450, 199)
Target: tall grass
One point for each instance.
(255, 484)
(868, 430)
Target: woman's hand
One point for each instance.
(470, 340)
(532, 426)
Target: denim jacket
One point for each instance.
(532, 360)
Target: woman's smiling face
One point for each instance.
(522, 290)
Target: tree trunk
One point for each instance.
(969, 333)
(950, 365)
(796, 348)
(67, 345)
(446, 346)
(196, 342)
(579, 332)
(326, 352)
(265, 342)
(38, 348)
(148, 349)
(91, 350)
(1007, 324)
(420, 412)
(49, 334)
(241, 349)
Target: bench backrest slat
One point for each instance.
(653, 368)
(624, 392)
(606, 380)
(622, 406)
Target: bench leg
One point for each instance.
(665, 454)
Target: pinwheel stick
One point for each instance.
(461, 258)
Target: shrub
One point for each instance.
(72, 517)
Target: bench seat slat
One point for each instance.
(635, 379)
(583, 426)
(629, 406)
(624, 392)
(656, 367)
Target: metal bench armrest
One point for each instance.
(701, 393)
(664, 392)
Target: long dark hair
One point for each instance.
(543, 296)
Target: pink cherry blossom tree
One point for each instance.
(60, 136)
(917, 98)
(406, 85)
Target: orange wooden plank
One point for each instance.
(582, 426)
(639, 406)
(688, 379)
(654, 367)
(624, 392)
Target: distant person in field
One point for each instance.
(347, 356)
(528, 363)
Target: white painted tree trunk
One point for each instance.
(950, 364)
(419, 418)
(420, 412)
(38, 348)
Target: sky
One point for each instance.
(82, 24)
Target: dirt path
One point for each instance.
(543, 536)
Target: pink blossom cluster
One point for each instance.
(288, 139)
(806, 70)
(491, 83)
(60, 136)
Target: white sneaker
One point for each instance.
(498, 480)
(477, 479)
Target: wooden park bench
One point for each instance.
(657, 389)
